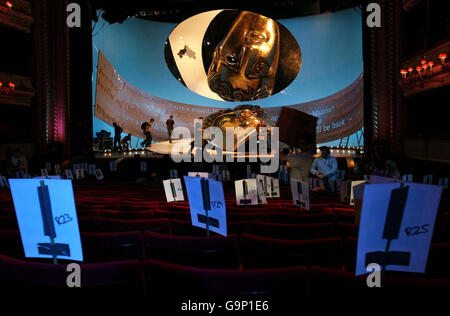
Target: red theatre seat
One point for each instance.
(104, 247)
(117, 225)
(176, 280)
(263, 252)
(292, 231)
(30, 278)
(208, 252)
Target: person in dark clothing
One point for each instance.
(117, 131)
(148, 134)
(170, 123)
(126, 142)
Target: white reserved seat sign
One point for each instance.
(396, 226)
(57, 169)
(300, 193)
(266, 184)
(112, 166)
(352, 198)
(260, 190)
(443, 182)
(226, 176)
(428, 179)
(47, 218)
(246, 192)
(92, 169)
(345, 191)
(407, 177)
(4, 182)
(76, 167)
(44, 172)
(380, 180)
(275, 186)
(173, 173)
(173, 190)
(79, 174)
(207, 204)
(199, 174)
(69, 174)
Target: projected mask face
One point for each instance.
(231, 55)
(245, 63)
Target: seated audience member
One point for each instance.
(391, 170)
(325, 167)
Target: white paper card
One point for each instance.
(352, 199)
(92, 169)
(345, 191)
(226, 176)
(112, 166)
(261, 194)
(79, 174)
(173, 190)
(69, 174)
(410, 235)
(428, 179)
(246, 192)
(266, 184)
(300, 193)
(275, 186)
(216, 217)
(380, 180)
(173, 173)
(4, 182)
(443, 182)
(44, 172)
(61, 218)
(407, 177)
(76, 167)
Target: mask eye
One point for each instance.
(232, 59)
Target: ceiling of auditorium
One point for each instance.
(178, 10)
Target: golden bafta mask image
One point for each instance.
(245, 63)
(245, 116)
(232, 55)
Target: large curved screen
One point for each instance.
(132, 82)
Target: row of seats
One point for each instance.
(234, 252)
(156, 278)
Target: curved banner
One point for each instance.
(339, 115)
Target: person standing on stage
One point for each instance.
(148, 134)
(170, 123)
(117, 131)
(325, 167)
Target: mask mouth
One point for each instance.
(226, 91)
